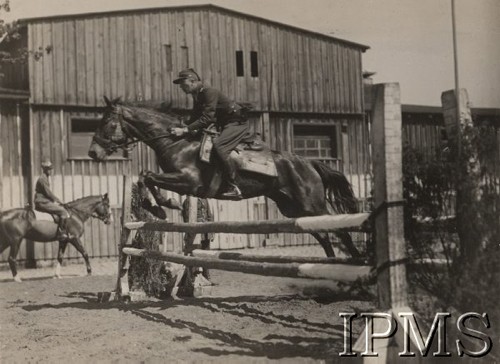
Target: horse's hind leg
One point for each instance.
(344, 236)
(325, 242)
(14, 248)
(78, 246)
(346, 239)
(60, 254)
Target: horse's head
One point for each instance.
(111, 134)
(102, 209)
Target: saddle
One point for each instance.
(251, 155)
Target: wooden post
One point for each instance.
(389, 224)
(189, 241)
(468, 173)
(127, 235)
(388, 177)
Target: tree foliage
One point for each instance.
(430, 186)
(10, 33)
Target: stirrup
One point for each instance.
(63, 235)
(257, 147)
(233, 192)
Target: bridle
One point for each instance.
(110, 146)
(86, 215)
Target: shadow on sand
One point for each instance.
(316, 340)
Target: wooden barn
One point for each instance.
(307, 88)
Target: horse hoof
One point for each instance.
(173, 204)
(159, 213)
(146, 204)
(89, 274)
(17, 279)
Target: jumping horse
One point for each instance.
(21, 223)
(303, 187)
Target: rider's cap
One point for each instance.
(47, 164)
(187, 73)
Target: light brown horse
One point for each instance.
(303, 187)
(21, 223)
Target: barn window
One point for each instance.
(168, 57)
(315, 142)
(254, 64)
(185, 57)
(81, 131)
(239, 64)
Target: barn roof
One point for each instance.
(198, 7)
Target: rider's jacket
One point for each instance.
(43, 193)
(212, 106)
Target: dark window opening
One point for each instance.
(254, 64)
(81, 132)
(168, 57)
(315, 142)
(185, 56)
(239, 64)
(84, 125)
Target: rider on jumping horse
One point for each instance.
(46, 201)
(211, 106)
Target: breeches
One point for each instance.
(52, 208)
(229, 138)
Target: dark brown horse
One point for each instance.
(21, 223)
(302, 188)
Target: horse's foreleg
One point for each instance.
(14, 248)
(78, 246)
(175, 182)
(60, 254)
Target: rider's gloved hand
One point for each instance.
(179, 131)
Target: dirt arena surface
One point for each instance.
(248, 318)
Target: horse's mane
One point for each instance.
(82, 199)
(154, 111)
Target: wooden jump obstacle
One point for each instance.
(335, 269)
(390, 246)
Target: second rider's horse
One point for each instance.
(302, 188)
(21, 223)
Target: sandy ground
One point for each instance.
(248, 318)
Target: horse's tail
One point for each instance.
(337, 188)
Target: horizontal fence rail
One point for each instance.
(275, 258)
(311, 224)
(343, 272)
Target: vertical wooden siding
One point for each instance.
(13, 192)
(423, 132)
(124, 55)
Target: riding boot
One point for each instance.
(233, 190)
(63, 229)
